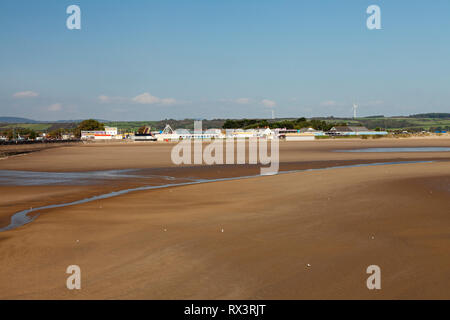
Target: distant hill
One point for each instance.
(16, 120)
(25, 120)
(373, 117)
(412, 123)
(431, 115)
(73, 121)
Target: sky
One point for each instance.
(161, 59)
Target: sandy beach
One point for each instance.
(304, 235)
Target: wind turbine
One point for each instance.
(355, 107)
(273, 114)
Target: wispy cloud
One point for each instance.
(147, 98)
(243, 101)
(268, 103)
(328, 103)
(168, 101)
(25, 94)
(373, 103)
(54, 107)
(103, 99)
(108, 99)
(237, 101)
(144, 98)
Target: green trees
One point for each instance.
(57, 133)
(242, 123)
(288, 124)
(431, 115)
(320, 125)
(88, 125)
(19, 132)
(8, 134)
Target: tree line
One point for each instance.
(86, 125)
(299, 123)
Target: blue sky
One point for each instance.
(149, 60)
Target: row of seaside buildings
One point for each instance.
(111, 133)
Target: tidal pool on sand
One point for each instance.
(417, 149)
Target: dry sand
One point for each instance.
(107, 156)
(169, 244)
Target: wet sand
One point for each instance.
(13, 150)
(167, 244)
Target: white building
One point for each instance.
(242, 134)
(183, 134)
(306, 134)
(112, 131)
(68, 136)
(312, 130)
(353, 131)
(108, 134)
(169, 135)
(266, 133)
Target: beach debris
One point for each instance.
(308, 265)
(372, 237)
(78, 241)
(222, 230)
(165, 229)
